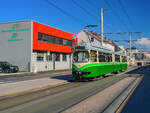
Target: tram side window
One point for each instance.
(117, 58)
(109, 58)
(106, 57)
(93, 56)
(101, 57)
(124, 59)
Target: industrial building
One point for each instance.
(35, 47)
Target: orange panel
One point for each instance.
(37, 45)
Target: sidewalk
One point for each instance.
(21, 87)
(31, 73)
(19, 73)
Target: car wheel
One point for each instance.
(6, 70)
(9, 71)
(2, 71)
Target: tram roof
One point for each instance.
(120, 53)
(100, 49)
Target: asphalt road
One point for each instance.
(140, 100)
(61, 101)
(64, 75)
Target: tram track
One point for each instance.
(137, 78)
(11, 102)
(8, 102)
(67, 100)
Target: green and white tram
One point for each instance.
(90, 63)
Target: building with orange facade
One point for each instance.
(35, 47)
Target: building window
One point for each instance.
(65, 42)
(40, 56)
(64, 57)
(42, 37)
(69, 43)
(54, 40)
(49, 57)
(59, 41)
(57, 56)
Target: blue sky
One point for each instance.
(121, 16)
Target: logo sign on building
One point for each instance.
(16, 32)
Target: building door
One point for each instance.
(70, 61)
(54, 59)
(49, 61)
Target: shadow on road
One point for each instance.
(64, 77)
(139, 70)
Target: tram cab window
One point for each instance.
(81, 56)
(124, 59)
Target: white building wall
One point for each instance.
(62, 64)
(84, 37)
(41, 65)
(48, 65)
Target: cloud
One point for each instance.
(144, 41)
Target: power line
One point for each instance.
(123, 40)
(125, 12)
(65, 13)
(116, 14)
(121, 33)
(85, 10)
(91, 3)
